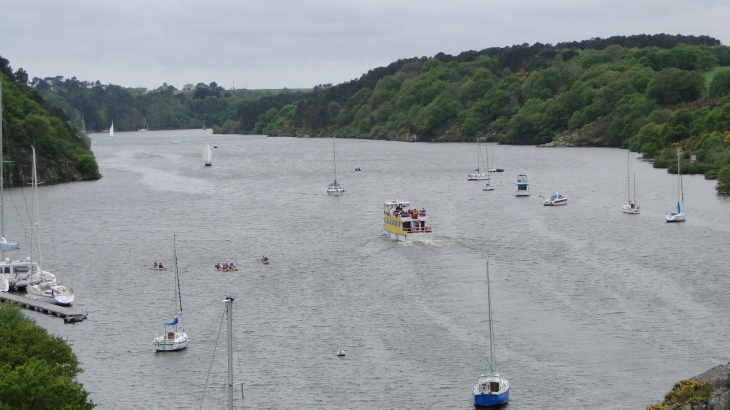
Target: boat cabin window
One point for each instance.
(6, 269)
(171, 335)
(494, 387)
(20, 269)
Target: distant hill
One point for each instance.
(94, 105)
(63, 152)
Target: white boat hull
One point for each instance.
(628, 209)
(481, 176)
(411, 237)
(488, 187)
(165, 343)
(562, 201)
(675, 217)
(335, 191)
(51, 293)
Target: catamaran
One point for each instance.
(492, 389)
(174, 337)
(679, 215)
(404, 224)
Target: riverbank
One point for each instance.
(707, 391)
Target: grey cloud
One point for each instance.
(274, 44)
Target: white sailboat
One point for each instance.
(631, 207)
(174, 337)
(478, 174)
(144, 125)
(488, 185)
(492, 389)
(207, 155)
(48, 290)
(679, 215)
(111, 131)
(335, 189)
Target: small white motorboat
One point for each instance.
(488, 187)
(51, 292)
(522, 188)
(340, 353)
(554, 200)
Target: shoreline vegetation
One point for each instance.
(652, 94)
(707, 391)
(64, 152)
(37, 370)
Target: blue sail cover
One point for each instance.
(7, 247)
(173, 323)
(679, 210)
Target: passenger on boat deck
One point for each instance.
(160, 266)
(155, 265)
(225, 265)
(230, 266)
(218, 265)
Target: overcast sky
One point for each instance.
(275, 44)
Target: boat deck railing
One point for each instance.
(426, 229)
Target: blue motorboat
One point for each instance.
(491, 389)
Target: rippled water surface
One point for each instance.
(595, 308)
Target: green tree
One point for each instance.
(720, 84)
(723, 180)
(673, 86)
(38, 370)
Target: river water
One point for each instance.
(594, 308)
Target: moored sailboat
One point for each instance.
(334, 189)
(46, 289)
(679, 215)
(478, 174)
(492, 389)
(174, 337)
(631, 207)
(111, 131)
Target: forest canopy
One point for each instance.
(63, 151)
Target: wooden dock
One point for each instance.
(69, 314)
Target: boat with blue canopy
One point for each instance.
(174, 337)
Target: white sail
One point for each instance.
(207, 154)
(111, 130)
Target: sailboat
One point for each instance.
(679, 215)
(144, 125)
(492, 389)
(174, 337)
(47, 290)
(207, 155)
(111, 131)
(631, 207)
(488, 186)
(334, 188)
(477, 175)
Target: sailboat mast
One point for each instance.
(628, 174)
(479, 155)
(229, 313)
(491, 328)
(334, 156)
(634, 187)
(679, 176)
(37, 213)
(178, 296)
(2, 166)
